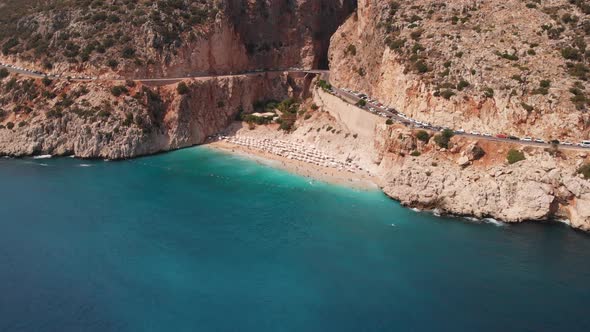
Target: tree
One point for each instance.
(3, 73)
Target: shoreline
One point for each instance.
(354, 180)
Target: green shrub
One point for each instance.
(447, 94)
(423, 136)
(421, 67)
(10, 125)
(128, 119)
(415, 153)
(514, 156)
(585, 171)
(324, 85)
(443, 139)
(389, 122)
(571, 53)
(182, 88)
(351, 49)
(3, 73)
(112, 63)
(46, 81)
(462, 85)
(118, 90)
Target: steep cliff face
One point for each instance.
(483, 65)
(170, 38)
(123, 121)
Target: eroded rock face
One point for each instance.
(535, 189)
(481, 65)
(143, 121)
(179, 39)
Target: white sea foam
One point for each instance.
(436, 212)
(564, 221)
(493, 222)
(45, 156)
(44, 165)
(416, 210)
(85, 165)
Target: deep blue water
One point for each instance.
(197, 240)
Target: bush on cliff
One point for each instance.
(118, 90)
(423, 136)
(182, 88)
(514, 156)
(585, 171)
(3, 73)
(443, 139)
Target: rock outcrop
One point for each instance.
(91, 122)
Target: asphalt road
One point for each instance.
(347, 96)
(29, 73)
(354, 99)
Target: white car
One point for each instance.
(567, 143)
(585, 144)
(538, 140)
(527, 139)
(475, 133)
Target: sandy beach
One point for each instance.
(358, 180)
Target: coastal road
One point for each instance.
(354, 99)
(325, 74)
(202, 75)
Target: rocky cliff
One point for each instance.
(474, 179)
(172, 38)
(511, 66)
(100, 120)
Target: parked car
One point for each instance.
(527, 139)
(515, 138)
(538, 140)
(501, 136)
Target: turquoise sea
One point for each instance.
(198, 240)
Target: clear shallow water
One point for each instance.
(197, 240)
